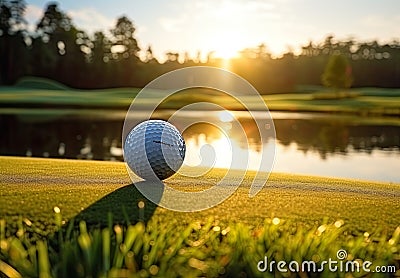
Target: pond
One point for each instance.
(306, 143)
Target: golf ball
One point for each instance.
(154, 149)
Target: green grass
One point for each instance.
(208, 248)
(352, 102)
(37, 92)
(40, 83)
(86, 189)
(59, 217)
(38, 97)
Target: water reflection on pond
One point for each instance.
(316, 144)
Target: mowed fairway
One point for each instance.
(294, 218)
(31, 188)
(51, 96)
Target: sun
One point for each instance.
(226, 51)
(225, 46)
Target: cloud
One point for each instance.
(380, 27)
(173, 24)
(213, 16)
(379, 21)
(260, 6)
(90, 20)
(32, 15)
(87, 19)
(33, 12)
(221, 25)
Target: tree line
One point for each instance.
(59, 50)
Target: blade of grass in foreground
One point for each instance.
(201, 248)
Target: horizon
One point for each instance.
(223, 27)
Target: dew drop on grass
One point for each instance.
(225, 231)
(217, 229)
(27, 222)
(117, 229)
(130, 254)
(276, 221)
(3, 244)
(197, 243)
(153, 269)
(321, 229)
(20, 233)
(122, 248)
(198, 264)
(56, 209)
(130, 261)
(141, 204)
(339, 223)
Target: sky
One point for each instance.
(229, 26)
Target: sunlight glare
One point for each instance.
(226, 116)
(226, 52)
(226, 45)
(218, 153)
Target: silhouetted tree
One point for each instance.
(101, 51)
(60, 48)
(149, 55)
(99, 61)
(125, 44)
(124, 51)
(172, 56)
(5, 19)
(13, 37)
(61, 51)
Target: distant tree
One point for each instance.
(53, 23)
(198, 57)
(186, 58)
(310, 50)
(12, 16)
(149, 55)
(248, 53)
(18, 21)
(60, 49)
(329, 46)
(337, 73)
(101, 49)
(5, 19)
(262, 52)
(5, 48)
(210, 56)
(13, 38)
(172, 56)
(124, 53)
(99, 74)
(125, 44)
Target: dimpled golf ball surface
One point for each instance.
(154, 149)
